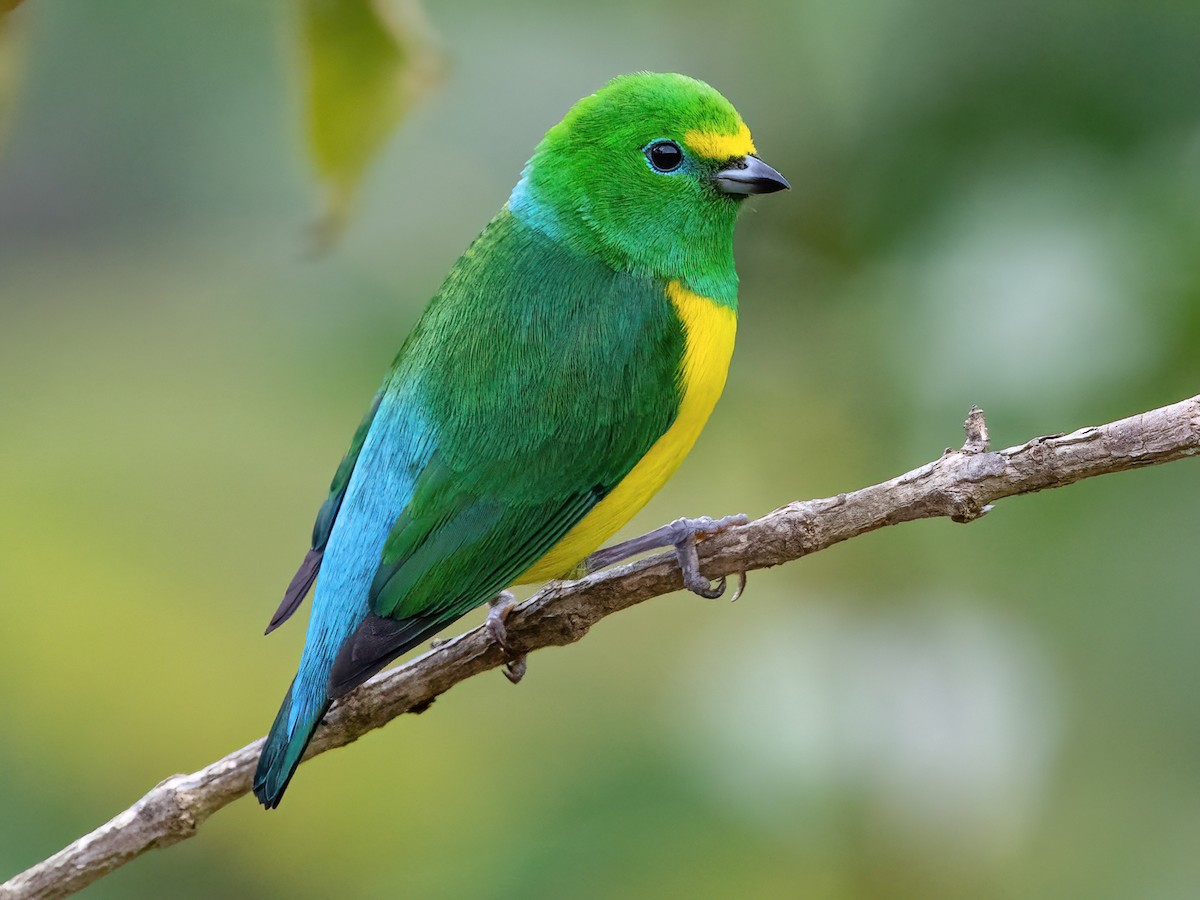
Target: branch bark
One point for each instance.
(961, 484)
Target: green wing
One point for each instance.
(546, 377)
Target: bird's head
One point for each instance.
(648, 173)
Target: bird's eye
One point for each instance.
(664, 156)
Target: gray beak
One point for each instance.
(749, 175)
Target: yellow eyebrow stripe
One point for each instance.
(716, 145)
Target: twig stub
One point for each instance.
(977, 432)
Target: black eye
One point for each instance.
(665, 156)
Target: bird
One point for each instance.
(552, 385)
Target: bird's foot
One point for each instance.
(501, 605)
(686, 533)
(682, 534)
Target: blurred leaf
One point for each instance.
(10, 64)
(366, 62)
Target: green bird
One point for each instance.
(555, 382)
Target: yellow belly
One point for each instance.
(709, 329)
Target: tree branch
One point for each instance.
(962, 485)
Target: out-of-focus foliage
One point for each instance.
(994, 202)
(365, 63)
(10, 62)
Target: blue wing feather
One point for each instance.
(299, 586)
(394, 451)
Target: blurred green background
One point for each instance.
(994, 202)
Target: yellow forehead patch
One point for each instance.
(716, 145)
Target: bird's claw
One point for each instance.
(706, 589)
(501, 605)
(741, 588)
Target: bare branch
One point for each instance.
(962, 485)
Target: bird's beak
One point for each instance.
(749, 175)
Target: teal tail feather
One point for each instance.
(293, 728)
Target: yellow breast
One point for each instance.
(709, 331)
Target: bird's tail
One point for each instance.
(297, 719)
